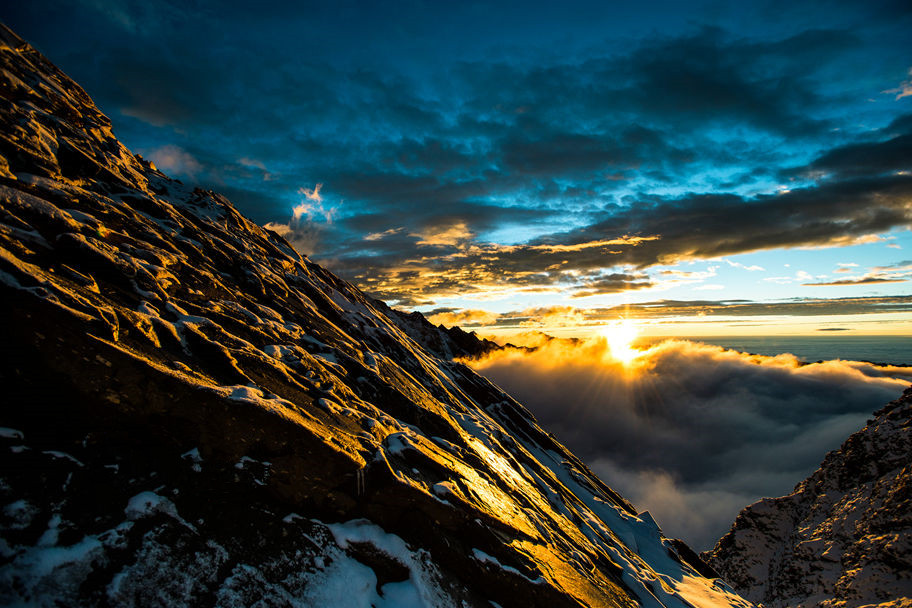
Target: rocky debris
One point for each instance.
(195, 414)
(843, 538)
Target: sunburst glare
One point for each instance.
(620, 336)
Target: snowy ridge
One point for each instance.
(238, 426)
(843, 538)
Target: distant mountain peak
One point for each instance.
(843, 537)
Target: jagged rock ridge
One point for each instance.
(447, 343)
(843, 538)
(195, 414)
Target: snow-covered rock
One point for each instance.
(195, 414)
(843, 538)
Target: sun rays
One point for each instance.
(620, 336)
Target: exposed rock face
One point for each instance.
(843, 538)
(194, 414)
(452, 343)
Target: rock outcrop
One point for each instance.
(843, 538)
(195, 414)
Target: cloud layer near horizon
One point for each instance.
(550, 317)
(689, 431)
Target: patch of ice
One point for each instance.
(365, 531)
(50, 536)
(62, 455)
(397, 443)
(21, 513)
(192, 455)
(483, 557)
(329, 405)
(444, 488)
(7, 433)
(6, 551)
(291, 518)
(404, 594)
(346, 583)
(41, 561)
(245, 393)
(370, 360)
(279, 351)
(149, 503)
(242, 463)
(419, 591)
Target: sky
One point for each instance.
(704, 168)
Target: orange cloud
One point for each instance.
(444, 235)
(553, 316)
(464, 318)
(312, 194)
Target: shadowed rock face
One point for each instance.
(194, 414)
(843, 538)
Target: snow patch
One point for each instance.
(420, 590)
(146, 504)
(7, 433)
(50, 536)
(63, 455)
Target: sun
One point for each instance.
(620, 336)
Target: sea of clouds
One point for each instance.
(690, 431)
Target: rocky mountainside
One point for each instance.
(447, 343)
(195, 414)
(843, 538)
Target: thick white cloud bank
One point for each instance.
(689, 431)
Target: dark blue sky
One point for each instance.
(506, 151)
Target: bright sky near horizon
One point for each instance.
(702, 168)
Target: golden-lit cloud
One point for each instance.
(444, 235)
(463, 317)
(312, 194)
(376, 236)
(847, 241)
(866, 280)
(552, 316)
(487, 270)
(895, 273)
(678, 423)
(599, 244)
(903, 90)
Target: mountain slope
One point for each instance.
(195, 414)
(843, 538)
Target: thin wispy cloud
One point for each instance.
(904, 89)
(658, 310)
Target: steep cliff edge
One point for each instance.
(194, 414)
(843, 538)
